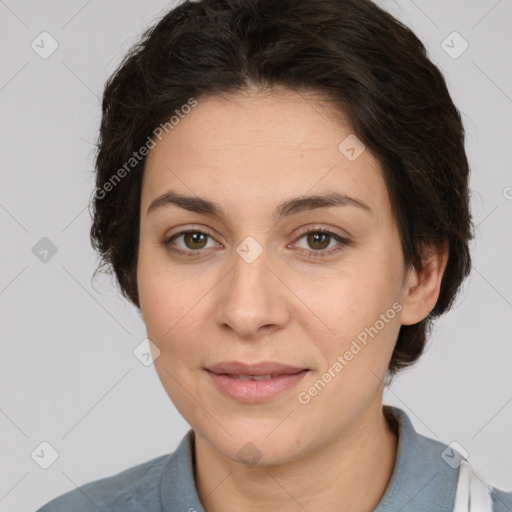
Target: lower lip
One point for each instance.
(255, 391)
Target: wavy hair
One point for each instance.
(368, 64)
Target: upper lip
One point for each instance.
(264, 368)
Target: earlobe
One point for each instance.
(422, 287)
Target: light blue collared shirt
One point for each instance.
(424, 479)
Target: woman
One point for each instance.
(282, 189)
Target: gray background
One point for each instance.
(68, 374)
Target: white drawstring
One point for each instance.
(480, 497)
(472, 493)
(462, 492)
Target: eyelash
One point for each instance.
(321, 253)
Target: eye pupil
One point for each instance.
(318, 238)
(195, 237)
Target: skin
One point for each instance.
(250, 152)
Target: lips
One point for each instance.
(264, 369)
(254, 383)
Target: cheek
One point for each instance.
(169, 299)
(345, 300)
(359, 305)
(361, 309)
(164, 296)
(175, 305)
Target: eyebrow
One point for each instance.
(292, 206)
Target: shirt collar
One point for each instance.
(421, 480)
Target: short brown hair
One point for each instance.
(366, 62)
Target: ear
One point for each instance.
(421, 288)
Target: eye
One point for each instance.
(193, 240)
(322, 242)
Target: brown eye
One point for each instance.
(195, 239)
(318, 240)
(189, 242)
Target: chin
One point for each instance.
(256, 442)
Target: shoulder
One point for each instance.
(501, 500)
(136, 488)
(431, 469)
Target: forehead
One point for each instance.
(261, 147)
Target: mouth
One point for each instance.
(251, 377)
(254, 383)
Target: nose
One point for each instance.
(252, 300)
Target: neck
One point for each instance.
(360, 462)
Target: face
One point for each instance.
(272, 274)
